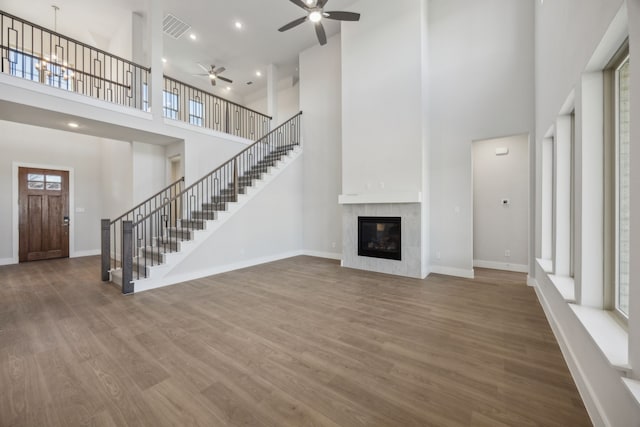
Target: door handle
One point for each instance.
(65, 220)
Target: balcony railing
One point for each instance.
(32, 52)
(197, 107)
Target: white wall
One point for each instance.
(481, 86)
(116, 175)
(50, 148)
(497, 227)
(320, 98)
(381, 99)
(570, 35)
(268, 226)
(288, 100)
(149, 170)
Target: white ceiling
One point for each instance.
(242, 52)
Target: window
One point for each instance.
(145, 98)
(622, 183)
(24, 66)
(195, 112)
(170, 104)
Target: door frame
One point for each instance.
(16, 206)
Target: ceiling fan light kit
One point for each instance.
(315, 14)
(213, 74)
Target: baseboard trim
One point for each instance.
(531, 281)
(518, 268)
(80, 254)
(450, 271)
(8, 261)
(148, 284)
(318, 254)
(593, 407)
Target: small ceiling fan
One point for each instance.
(315, 13)
(214, 74)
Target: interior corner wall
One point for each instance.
(481, 80)
(382, 99)
(320, 98)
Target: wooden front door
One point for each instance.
(44, 214)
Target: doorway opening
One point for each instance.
(501, 203)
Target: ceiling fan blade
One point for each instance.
(321, 3)
(322, 36)
(219, 71)
(293, 23)
(300, 3)
(224, 79)
(207, 75)
(203, 67)
(342, 16)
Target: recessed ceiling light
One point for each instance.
(193, 36)
(315, 16)
(258, 73)
(164, 60)
(238, 25)
(309, 2)
(73, 125)
(228, 87)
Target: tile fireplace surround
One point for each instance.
(410, 265)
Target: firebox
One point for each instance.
(379, 237)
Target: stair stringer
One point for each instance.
(161, 275)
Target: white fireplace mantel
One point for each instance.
(375, 198)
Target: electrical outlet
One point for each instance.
(507, 253)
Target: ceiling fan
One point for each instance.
(315, 13)
(214, 74)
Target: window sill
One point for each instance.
(565, 285)
(634, 388)
(546, 265)
(609, 335)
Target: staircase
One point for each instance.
(145, 243)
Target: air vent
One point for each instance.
(174, 27)
(249, 83)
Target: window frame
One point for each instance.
(612, 176)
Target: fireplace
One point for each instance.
(379, 237)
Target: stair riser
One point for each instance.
(214, 206)
(180, 234)
(196, 225)
(204, 215)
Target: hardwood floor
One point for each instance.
(300, 342)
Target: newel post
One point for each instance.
(127, 257)
(105, 233)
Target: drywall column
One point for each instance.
(591, 174)
(546, 221)
(272, 94)
(633, 10)
(154, 21)
(138, 53)
(563, 196)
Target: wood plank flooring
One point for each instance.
(299, 342)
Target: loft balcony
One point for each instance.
(36, 54)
